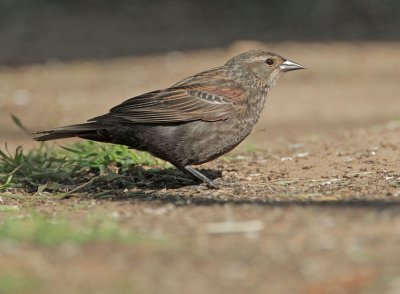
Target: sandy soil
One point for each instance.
(314, 208)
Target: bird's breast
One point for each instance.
(244, 122)
(255, 106)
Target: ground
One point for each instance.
(308, 204)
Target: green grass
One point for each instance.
(8, 208)
(63, 169)
(17, 283)
(251, 148)
(38, 229)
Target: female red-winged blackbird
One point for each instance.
(194, 121)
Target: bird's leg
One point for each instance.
(194, 174)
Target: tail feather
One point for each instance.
(79, 130)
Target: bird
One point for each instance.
(193, 121)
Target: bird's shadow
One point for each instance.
(162, 185)
(169, 178)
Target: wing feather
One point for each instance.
(185, 101)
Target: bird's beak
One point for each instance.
(290, 65)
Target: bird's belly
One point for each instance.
(190, 143)
(219, 138)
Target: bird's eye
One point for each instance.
(270, 61)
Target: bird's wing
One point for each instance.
(180, 103)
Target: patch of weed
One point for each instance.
(98, 156)
(63, 169)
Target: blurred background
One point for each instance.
(65, 61)
(40, 30)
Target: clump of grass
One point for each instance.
(68, 165)
(37, 229)
(100, 157)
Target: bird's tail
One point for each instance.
(84, 130)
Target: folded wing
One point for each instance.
(181, 103)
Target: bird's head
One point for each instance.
(265, 65)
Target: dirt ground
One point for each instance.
(309, 203)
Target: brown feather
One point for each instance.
(182, 103)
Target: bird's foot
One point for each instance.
(198, 176)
